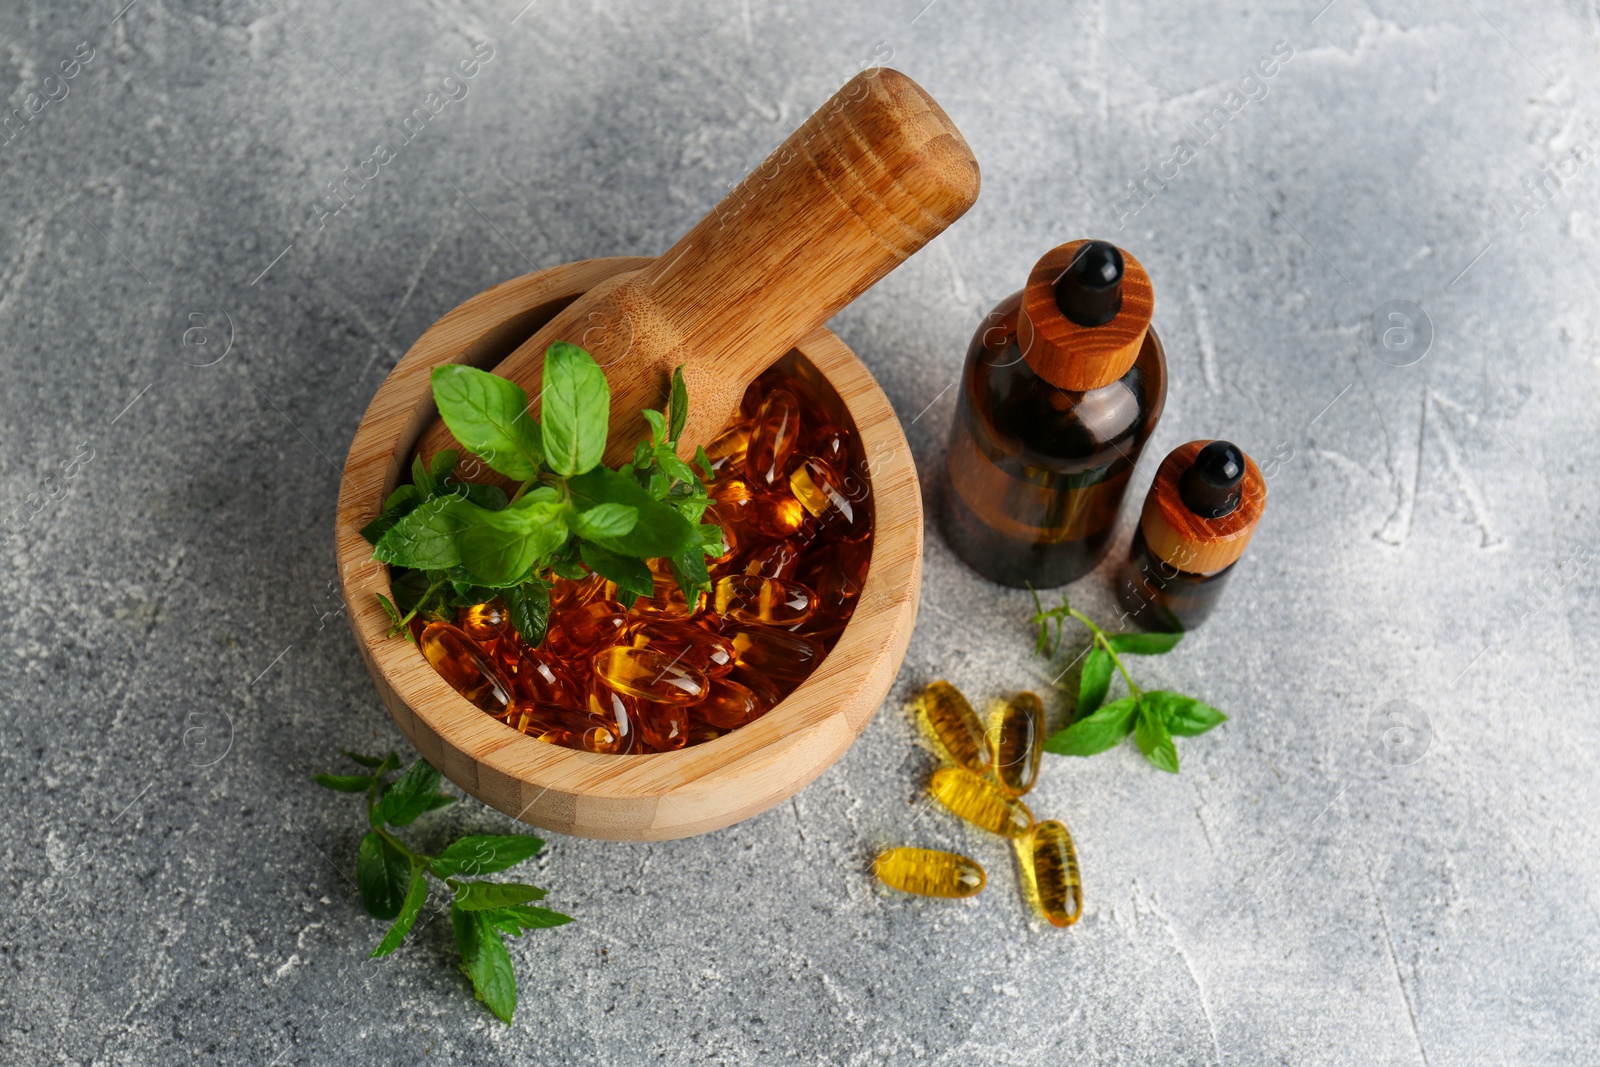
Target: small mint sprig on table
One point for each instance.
(1154, 717)
(393, 877)
(462, 543)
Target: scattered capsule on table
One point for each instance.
(460, 662)
(1017, 737)
(777, 430)
(823, 492)
(484, 622)
(981, 802)
(929, 873)
(1057, 889)
(780, 559)
(768, 601)
(639, 672)
(729, 705)
(957, 727)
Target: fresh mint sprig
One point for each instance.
(393, 877)
(463, 543)
(1153, 717)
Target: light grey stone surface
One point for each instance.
(176, 663)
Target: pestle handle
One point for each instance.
(876, 173)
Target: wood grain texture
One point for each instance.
(1074, 357)
(642, 797)
(870, 178)
(1188, 541)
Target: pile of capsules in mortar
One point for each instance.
(667, 673)
(992, 768)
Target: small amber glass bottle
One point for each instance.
(1202, 508)
(1063, 385)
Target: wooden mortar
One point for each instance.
(660, 795)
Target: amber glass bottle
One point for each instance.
(1198, 518)
(1063, 385)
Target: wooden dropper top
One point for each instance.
(1203, 506)
(1085, 311)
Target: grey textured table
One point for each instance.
(191, 332)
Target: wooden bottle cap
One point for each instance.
(1191, 542)
(1074, 357)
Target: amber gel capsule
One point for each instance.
(462, 663)
(1057, 889)
(648, 675)
(981, 802)
(929, 873)
(1017, 734)
(957, 726)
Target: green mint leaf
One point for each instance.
(659, 486)
(365, 761)
(344, 783)
(605, 520)
(478, 896)
(499, 547)
(689, 568)
(642, 453)
(1143, 644)
(416, 896)
(441, 801)
(425, 539)
(1093, 682)
(1154, 741)
(1100, 731)
(517, 920)
(1184, 716)
(484, 960)
(633, 578)
(484, 854)
(443, 465)
(703, 461)
(678, 406)
(485, 496)
(529, 605)
(383, 874)
(395, 620)
(572, 572)
(674, 467)
(420, 477)
(658, 425)
(576, 408)
(489, 416)
(408, 797)
(400, 503)
(660, 531)
(409, 587)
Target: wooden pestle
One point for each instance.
(876, 173)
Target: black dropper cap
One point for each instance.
(1210, 487)
(1089, 291)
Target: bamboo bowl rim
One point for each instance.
(652, 796)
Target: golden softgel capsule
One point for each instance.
(1017, 736)
(929, 873)
(981, 802)
(1052, 865)
(957, 726)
